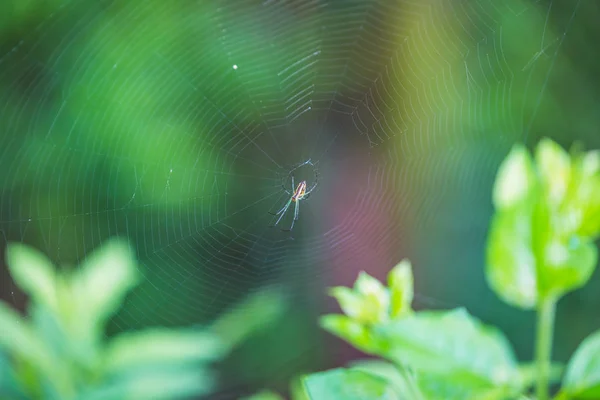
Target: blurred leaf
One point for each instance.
(264, 395)
(404, 383)
(18, 339)
(33, 272)
(588, 193)
(347, 384)
(30, 352)
(554, 166)
(510, 260)
(297, 391)
(582, 377)
(103, 281)
(568, 264)
(528, 373)
(375, 298)
(401, 282)
(8, 384)
(351, 331)
(353, 304)
(516, 179)
(369, 301)
(160, 347)
(256, 312)
(534, 250)
(165, 383)
(49, 330)
(436, 387)
(451, 344)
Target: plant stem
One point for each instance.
(543, 351)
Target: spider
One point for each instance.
(299, 193)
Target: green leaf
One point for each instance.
(264, 395)
(9, 388)
(582, 377)
(589, 195)
(554, 167)
(528, 373)
(350, 330)
(18, 339)
(48, 329)
(568, 264)
(350, 302)
(33, 272)
(510, 260)
(436, 387)
(101, 283)
(256, 312)
(401, 282)
(297, 391)
(160, 347)
(347, 384)
(374, 299)
(451, 344)
(586, 207)
(159, 384)
(401, 379)
(516, 180)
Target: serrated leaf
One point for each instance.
(511, 269)
(347, 384)
(582, 377)
(451, 344)
(160, 347)
(33, 272)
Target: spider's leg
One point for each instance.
(283, 211)
(282, 208)
(297, 210)
(296, 213)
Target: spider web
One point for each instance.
(405, 108)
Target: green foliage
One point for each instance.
(264, 395)
(547, 215)
(348, 384)
(541, 241)
(453, 354)
(582, 378)
(60, 351)
(453, 345)
(540, 246)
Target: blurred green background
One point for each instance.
(178, 125)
